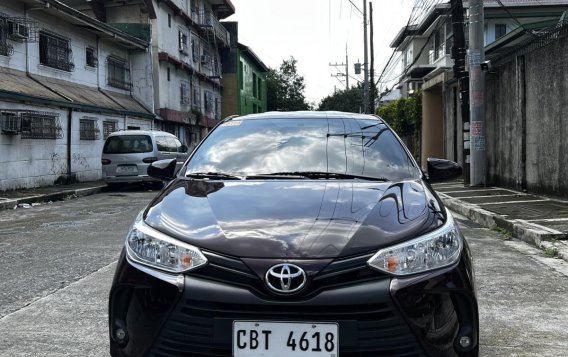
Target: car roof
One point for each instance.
(306, 115)
(140, 132)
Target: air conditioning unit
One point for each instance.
(17, 31)
(205, 58)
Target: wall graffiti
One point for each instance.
(80, 160)
(58, 164)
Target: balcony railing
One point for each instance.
(208, 20)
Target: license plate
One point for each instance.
(284, 339)
(127, 170)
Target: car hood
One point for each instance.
(294, 219)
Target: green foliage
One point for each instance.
(551, 251)
(285, 88)
(404, 115)
(348, 100)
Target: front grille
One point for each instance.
(203, 328)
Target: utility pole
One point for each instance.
(458, 54)
(346, 68)
(478, 173)
(366, 62)
(372, 73)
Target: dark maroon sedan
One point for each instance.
(295, 235)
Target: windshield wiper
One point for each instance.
(212, 175)
(321, 174)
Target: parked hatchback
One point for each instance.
(127, 154)
(296, 234)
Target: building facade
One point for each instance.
(66, 82)
(428, 66)
(186, 38)
(244, 78)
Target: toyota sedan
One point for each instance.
(295, 235)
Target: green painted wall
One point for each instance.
(249, 100)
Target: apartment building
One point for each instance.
(427, 64)
(66, 81)
(186, 37)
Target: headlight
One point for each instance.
(436, 249)
(147, 246)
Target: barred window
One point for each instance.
(55, 52)
(88, 129)
(196, 97)
(40, 125)
(109, 127)
(9, 123)
(184, 92)
(91, 57)
(118, 73)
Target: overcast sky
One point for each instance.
(316, 33)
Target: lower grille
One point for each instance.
(199, 328)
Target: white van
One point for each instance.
(127, 154)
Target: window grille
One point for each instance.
(182, 37)
(91, 55)
(208, 102)
(89, 129)
(40, 125)
(109, 127)
(194, 50)
(118, 73)
(55, 52)
(196, 98)
(184, 93)
(6, 49)
(9, 123)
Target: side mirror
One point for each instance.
(443, 170)
(163, 169)
(184, 149)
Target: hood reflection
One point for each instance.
(291, 219)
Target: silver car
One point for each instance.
(127, 154)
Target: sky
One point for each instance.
(316, 33)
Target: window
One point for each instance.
(500, 30)
(168, 73)
(184, 92)
(9, 123)
(55, 52)
(182, 42)
(196, 97)
(259, 88)
(91, 56)
(5, 48)
(254, 88)
(109, 127)
(130, 127)
(241, 65)
(169, 20)
(118, 73)
(217, 113)
(40, 125)
(194, 50)
(88, 129)
(128, 144)
(207, 102)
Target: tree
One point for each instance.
(285, 88)
(348, 100)
(404, 115)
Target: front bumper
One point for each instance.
(191, 316)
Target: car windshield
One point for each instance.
(252, 147)
(128, 144)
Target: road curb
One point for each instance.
(55, 196)
(538, 236)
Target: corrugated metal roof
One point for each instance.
(19, 82)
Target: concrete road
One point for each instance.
(57, 263)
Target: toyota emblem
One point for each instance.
(285, 278)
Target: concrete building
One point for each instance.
(186, 38)
(66, 81)
(244, 78)
(426, 48)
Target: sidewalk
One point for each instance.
(538, 220)
(24, 198)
